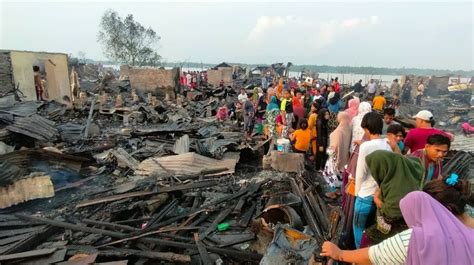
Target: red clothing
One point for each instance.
(426, 163)
(416, 138)
(222, 113)
(468, 129)
(337, 87)
(298, 108)
(279, 119)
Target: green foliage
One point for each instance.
(127, 41)
(72, 61)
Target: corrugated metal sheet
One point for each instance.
(16, 164)
(35, 127)
(31, 187)
(187, 164)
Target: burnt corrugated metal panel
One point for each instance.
(27, 161)
(35, 127)
(32, 187)
(9, 172)
(187, 164)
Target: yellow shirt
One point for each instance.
(378, 102)
(303, 139)
(312, 124)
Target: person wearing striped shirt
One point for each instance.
(440, 231)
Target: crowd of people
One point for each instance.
(385, 175)
(193, 79)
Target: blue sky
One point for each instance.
(374, 33)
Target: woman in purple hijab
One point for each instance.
(438, 236)
(439, 230)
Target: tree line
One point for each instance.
(127, 41)
(363, 70)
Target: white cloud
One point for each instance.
(263, 24)
(319, 33)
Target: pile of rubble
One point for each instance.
(126, 178)
(451, 110)
(209, 220)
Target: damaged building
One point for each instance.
(220, 72)
(17, 73)
(158, 81)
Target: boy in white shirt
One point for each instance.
(365, 184)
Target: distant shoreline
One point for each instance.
(362, 70)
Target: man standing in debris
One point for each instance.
(388, 115)
(395, 88)
(286, 109)
(436, 148)
(249, 115)
(406, 92)
(379, 102)
(336, 85)
(319, 99)
(371, 89)
(188, 79)
(358, 88)
(417, 138)
(264, 83)
(38, 83)
(419, 92)
(242, 96)
(395, 104)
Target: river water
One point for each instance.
(347, 78)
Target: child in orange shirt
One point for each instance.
(302, 138)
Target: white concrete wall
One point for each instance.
(57, 79)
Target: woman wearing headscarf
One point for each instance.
(353, 108)
(357, 131)
(334, 104)
(340, 141)
(439, 231)
(322, 138)
(396, 176)
(312, 126)
(271, 114)
(339, 144)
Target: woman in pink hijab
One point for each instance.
(353, 108)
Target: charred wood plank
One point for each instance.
(310, 219)
(14, 232)
(37, 237)
(318, 211)
(240, 255)
(220, 217)
(247, 216)
(109, 225)
(28, 254)
(161, 214)
(149, 234)
(202, 250)
(195, 185)
(126, 252)
(13, 239)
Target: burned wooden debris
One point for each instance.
(176, 229)
(143, 181)
(126, 178)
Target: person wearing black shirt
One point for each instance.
(322, 138)
(358, 88)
